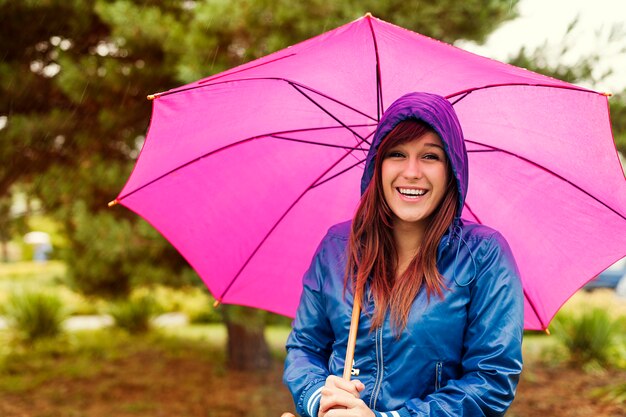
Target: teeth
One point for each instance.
(411, 191)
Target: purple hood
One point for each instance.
(438, 113)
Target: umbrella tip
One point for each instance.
(152, 96)
(607, 94)
(547, 331)
(216, 303)
(368, 14)
(114, 202)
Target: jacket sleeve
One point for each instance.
(310, 343)
(492, 359)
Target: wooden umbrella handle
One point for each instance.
(354, 327)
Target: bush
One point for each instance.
(589, 337)
(134, 316)
(613, 393)
(35, 315)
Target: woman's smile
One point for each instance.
(411, 194)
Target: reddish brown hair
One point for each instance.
(372, 253)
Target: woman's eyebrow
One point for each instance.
(434, 144)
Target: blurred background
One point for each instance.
(100, 316)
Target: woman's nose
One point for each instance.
(413, 168)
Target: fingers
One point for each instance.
(334, 398)
(358, 385)
(339, 394)
(354, 387)
(358, 410)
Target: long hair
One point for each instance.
(372, 253)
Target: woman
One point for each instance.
(441, 328)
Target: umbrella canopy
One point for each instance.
(243, 172)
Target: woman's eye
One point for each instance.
(395, 154)
(432, 156)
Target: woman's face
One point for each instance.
(414, 179)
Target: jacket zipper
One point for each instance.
(379, 367)
(438, 375)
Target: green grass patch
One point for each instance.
(134, 315)
(215, 335)
(35, 315)
(46, 277)
(73, 355)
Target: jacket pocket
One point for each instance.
(438, 371)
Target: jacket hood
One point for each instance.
(437, 112)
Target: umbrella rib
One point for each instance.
(332, 99)
(280, 219)
(549, 171)
(318, 143)
(245, 69)
(338, 174)
(326, 111)
(532, 305)
(379, 89)
(472, 213)
(121, 197)
(484, 87)
(460, 98)
(286, 80)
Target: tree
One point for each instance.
(73, 91)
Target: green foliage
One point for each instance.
(537, 61)
(135, 315)
(612, 393)
(35, 315)
(618, 120)
(589, 337)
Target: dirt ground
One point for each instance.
(151, 383)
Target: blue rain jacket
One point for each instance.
(459, 355)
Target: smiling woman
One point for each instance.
(441, 327)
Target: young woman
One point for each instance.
(442, 319)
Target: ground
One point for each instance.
(179, 380)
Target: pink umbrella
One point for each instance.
(243, 172)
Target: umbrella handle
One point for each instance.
(354, 327)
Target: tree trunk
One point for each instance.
(4, 244)
(247, 349)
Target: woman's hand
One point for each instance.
(341, 398)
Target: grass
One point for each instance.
(35, 315)
(73, 355)
(49, 277)
(86, 354)
(134, 315)
(110, 372)
(44, 277)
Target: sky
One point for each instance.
(600, 28)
